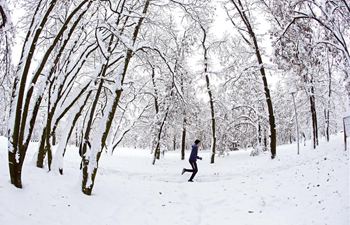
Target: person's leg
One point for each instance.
(187, 170)
(194, 169)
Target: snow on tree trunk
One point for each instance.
(92, 156)
(70, 124)
(16, 147)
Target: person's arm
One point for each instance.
(198, 157)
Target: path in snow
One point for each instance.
(311, 188)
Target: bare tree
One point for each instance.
(90, 158)
(248, 35)
(210, 94)
(21, 120)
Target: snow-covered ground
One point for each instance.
(306, 189)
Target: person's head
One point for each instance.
(197, 141)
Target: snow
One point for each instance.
(305, 189)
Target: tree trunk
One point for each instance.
(327, 126)
(329, 97)
(45, 146)
(15, 170)
(87, 188)
(156, 105)
(19, 138)
(89, 177)
(61, 149)
(15, 140)
(213, 126)
(272, 123)
(48, 132)
(174, 143)
(314, 118)
(183, 139)
(211, 101)
(48, 137)
(87, 182)
(157, 148)
(41, 152)
(268, 100)
(259, 134)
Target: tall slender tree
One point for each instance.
(25, 107)
(247, 32)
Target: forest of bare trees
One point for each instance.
(156, 75)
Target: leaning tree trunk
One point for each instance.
(45, 145)
(247, 23)
(90, 167)
(61, 149)
(157, 147)
(46, 148)
(19, 133)
(87, 188)
(15, 142)
(86, 145)
(267, 97)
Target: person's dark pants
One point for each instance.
(194, 169)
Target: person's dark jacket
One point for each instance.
(194, 153)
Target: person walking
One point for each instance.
(193, 161)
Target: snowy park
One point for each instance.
(174, 112)
(310, 188)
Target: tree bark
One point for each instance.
(327, 113)
(314, 118)
(156, 105)
(157, 148)
(183, 139)
(211, 101)
(88, 180)
(41, 155)
(16, 148)
(213, 122)
(75, 120)
(272, 123)
(18, 137)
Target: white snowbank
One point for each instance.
(305, 189)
